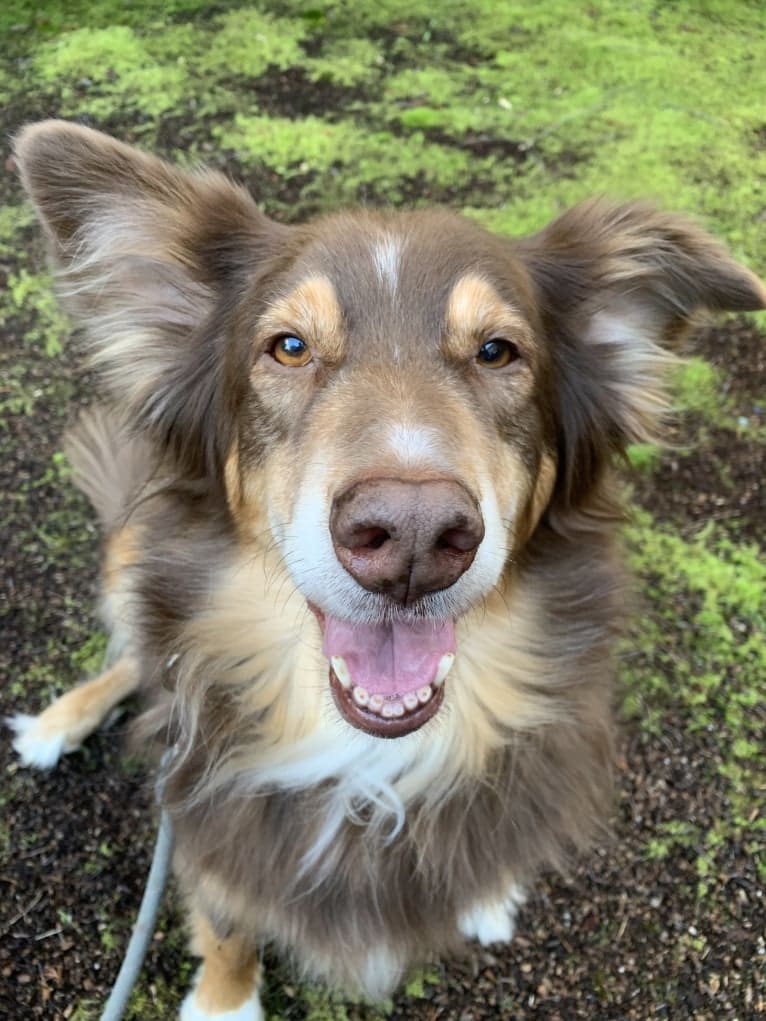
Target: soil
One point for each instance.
(705, 475)
(616, 939)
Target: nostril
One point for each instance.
(371, 538)
(458, 541)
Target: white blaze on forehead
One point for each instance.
(412, 445)
(386, 256)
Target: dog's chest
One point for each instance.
(296, 864)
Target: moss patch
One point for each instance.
(699, 653)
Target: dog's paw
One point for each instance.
(36, 743)
(250, 1010)
(493, 921)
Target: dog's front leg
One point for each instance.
(226, 988)
(63, 726)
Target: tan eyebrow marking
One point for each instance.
(313, 311)
(475, 308)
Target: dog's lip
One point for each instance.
(379, 726)
(319, 614)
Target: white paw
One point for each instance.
(34, 743)
(493, 921)
(381, 974)
(250, 1010)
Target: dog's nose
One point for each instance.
(406, 538)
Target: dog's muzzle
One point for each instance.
(404, 540)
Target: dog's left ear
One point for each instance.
(150, 260)
(616, 283)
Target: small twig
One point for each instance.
(23, 913)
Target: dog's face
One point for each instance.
(396, 438)
(392, 401)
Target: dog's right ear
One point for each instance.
(146, 255)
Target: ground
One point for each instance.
(510, 111)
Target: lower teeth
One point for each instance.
(376, 703)
(396, 708)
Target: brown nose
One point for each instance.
(406, 538)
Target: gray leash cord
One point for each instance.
(143, 930)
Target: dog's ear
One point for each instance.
(149, 258)
(618, 285)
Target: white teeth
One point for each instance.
(395, 708)
(360, 695)
(376, 703)
(445, 665)
(392, 710)
(341, 671)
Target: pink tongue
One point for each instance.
(389, 659)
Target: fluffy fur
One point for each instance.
(215, 471)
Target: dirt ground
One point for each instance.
(666, 918)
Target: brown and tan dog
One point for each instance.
(360, 541)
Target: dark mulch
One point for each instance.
(739, 350)
(709, 474)
(725, 484)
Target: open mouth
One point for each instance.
(387, 679)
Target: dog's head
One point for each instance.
(394, 400)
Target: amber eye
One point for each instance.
(291, 351)
(497, 353)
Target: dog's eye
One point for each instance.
(497, 353)
(291, 351)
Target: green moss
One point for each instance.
(18, 393)
(88, 659)
(342, 157)
(247, 42)
(698, 387)
(30, 19)
(611, 98)
(644, 457)
(699, 650)
(156, 999)
(322, 1004)
(13, 220)
(417, 986)
(106, 70)
(140, 70)
(31, 294)
(347, 61)
(86, 1010)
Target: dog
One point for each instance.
(356, 483)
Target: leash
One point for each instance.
(144, 926)
(143, 930)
